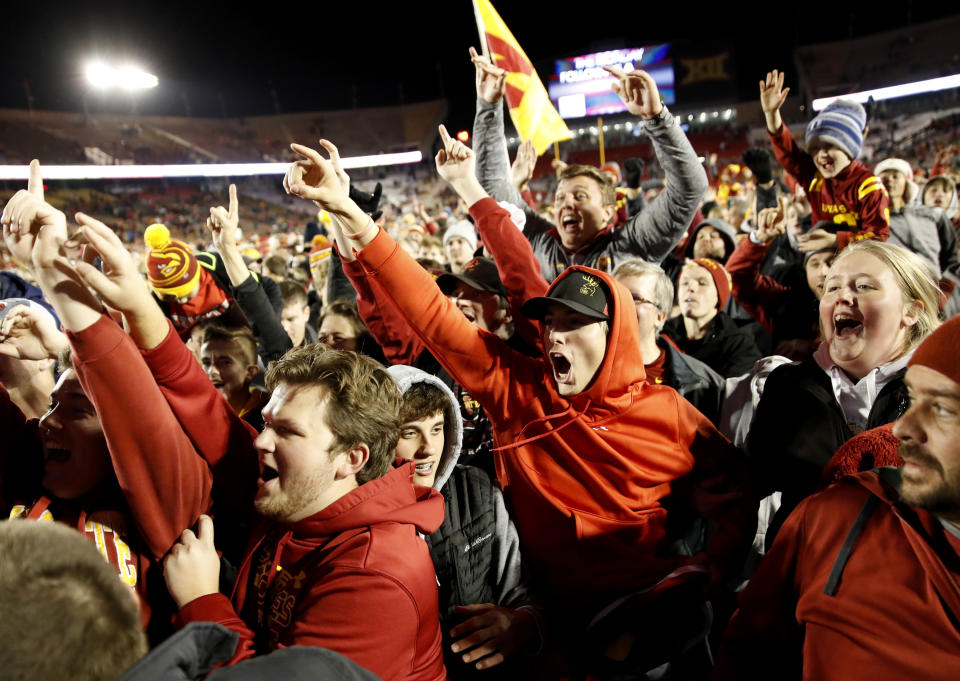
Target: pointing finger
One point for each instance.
(445, 136)
(35, 183)
(234, 204)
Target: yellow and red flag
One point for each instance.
(531, 110)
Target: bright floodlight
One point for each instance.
(103, 76)
(894, 91)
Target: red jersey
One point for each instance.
(855, 198)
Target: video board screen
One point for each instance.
(580, 87)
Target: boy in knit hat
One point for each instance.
(840, 188)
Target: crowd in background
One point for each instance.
(481, 420)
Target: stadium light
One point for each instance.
(894, 91)
(464, 136)
(132, 172)
(103, 76)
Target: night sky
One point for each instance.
(216, 60)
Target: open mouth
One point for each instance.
(846, 326)
(268, 473)
(56, 455)
(569, 223)
(561, 366)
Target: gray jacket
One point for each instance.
(651, 235)
(915, 228)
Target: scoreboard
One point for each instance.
(580, 87)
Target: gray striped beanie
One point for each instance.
(841, 124)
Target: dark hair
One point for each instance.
(422, 400)
(66, 613)
(362, 400)
(292, 293)
(275, 265)
(608, 193)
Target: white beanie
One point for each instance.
(898, 164)
(463, 229)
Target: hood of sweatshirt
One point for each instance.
(726, 232)
(405, 377)
(622, 366)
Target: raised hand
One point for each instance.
(315, 179)
(337, 167)
(772, 222)
(119, 284)
(772, 97)
(637, 90)
(491, 79)
(455, 162)
(772, 92)
(223, 223)
(27, 333)
(521, 172)
(26, 213)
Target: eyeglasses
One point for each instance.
(640, 301)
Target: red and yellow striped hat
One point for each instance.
(171, 266)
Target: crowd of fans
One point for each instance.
(694, 423)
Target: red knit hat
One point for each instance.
(171, 267)
(938, 350)
(721, 279)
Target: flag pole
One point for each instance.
(556, 154)
(603, 159)
(481, 31)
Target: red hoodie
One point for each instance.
(893, 615)
(373, 594)
(585, 476)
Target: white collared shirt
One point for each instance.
(856, 399)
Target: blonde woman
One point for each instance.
(879, 302)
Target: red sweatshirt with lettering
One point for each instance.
(855, 198)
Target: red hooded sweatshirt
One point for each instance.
(586, 476)
(371, 596)
(892, 616)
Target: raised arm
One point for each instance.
(493, 162)
(793, 159)
(220, 437)
(476, 359)
(165, 484)
(247, 288)
(757, 292)
(654, 233)
(518, 266)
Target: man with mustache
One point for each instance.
(866, 574)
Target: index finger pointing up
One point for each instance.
(445, 136)
(234, 204)
(35, 183)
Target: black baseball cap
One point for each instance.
(582, 292)
(479, 273)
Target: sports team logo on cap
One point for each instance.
(590, 286)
